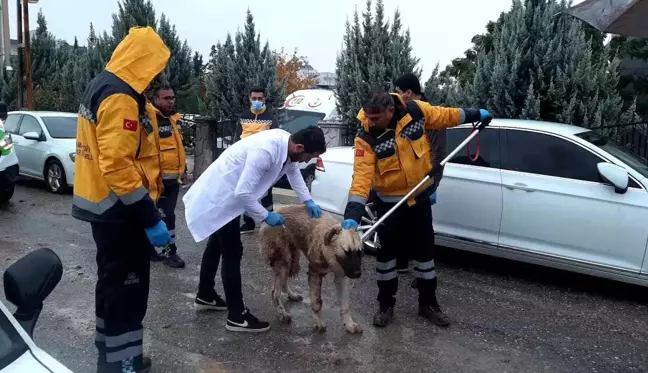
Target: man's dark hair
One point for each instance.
(159, 88)
(378, 103)
(409, 81)
(312, 138)
(257, 89)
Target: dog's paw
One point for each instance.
(353, 328)
(319, 328)
(285, 318)
(295, 298)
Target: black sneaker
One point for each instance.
(246, 323)
(171, 259)
(434, 315)
(384, 316)
(155, 257)
(247, 228)
(215, 303)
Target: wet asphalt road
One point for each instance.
(508, 317)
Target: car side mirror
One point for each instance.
(29, 281)
(614, 175)
(33, 136)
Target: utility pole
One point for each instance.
(28, 72)
(19, 74)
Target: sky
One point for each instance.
(441, 30)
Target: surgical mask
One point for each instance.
(257, 105)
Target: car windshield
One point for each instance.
(295, 120)
(61, 127)
(12, 346)
(626, 156)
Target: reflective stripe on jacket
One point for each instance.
(172, 153)
(117, 165)
(251, 122)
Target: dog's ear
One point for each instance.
(330, 235)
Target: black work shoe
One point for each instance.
(246, 323)
(434, 315)
(174, 261)
(384, 316)
(414, 284)
(247, 228)
(215, 303)
(155, 257)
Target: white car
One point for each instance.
(45, 143)
(27, 284)
(544, 193)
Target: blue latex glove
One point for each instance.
(483, 114)
(274, 219)
(158, 235)
(314, 211)
(349, 224)
(433, 198)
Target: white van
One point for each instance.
(304, 108)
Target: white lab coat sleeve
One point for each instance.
(257, 164)
(297, 183)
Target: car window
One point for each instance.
(61, 127)
(549, 155)
(637, 163)
(489, 154)
(295, 120)
(12, 122)
(29, 124)
(12, 346)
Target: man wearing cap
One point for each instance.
(408, 88)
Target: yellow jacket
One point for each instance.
(395, 161)
(117, 167)
(172, 153)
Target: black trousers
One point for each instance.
(266, 202)
(167, 205)
(407, 230)
(121, 295)
(225, 242)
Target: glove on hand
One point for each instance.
(158, 235)
(433, 198)
(483, 114)
(274, 219)
(349, 224)
(314, 211)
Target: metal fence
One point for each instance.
(633, 137)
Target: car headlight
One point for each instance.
(72, 156)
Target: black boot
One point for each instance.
(434, 315)
(171, 257)
(384, 316)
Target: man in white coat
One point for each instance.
(232, 185)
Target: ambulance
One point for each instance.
(304, 108)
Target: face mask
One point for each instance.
(257, 105)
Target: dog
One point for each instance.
(328, 249)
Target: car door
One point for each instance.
(556, 204)
(470, 194)
(31, 153)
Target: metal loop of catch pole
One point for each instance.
(479, 126)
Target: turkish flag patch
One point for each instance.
(130, 125)
(359, 153)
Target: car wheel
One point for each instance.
(55, 177)
(309, 180)
(371, 245)
(6, 192)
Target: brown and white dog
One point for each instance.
(328, 249)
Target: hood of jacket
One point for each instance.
(139, 58)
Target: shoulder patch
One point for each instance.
(359, 153)
(130, 125)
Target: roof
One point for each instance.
(45, 113)
(551, 127)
